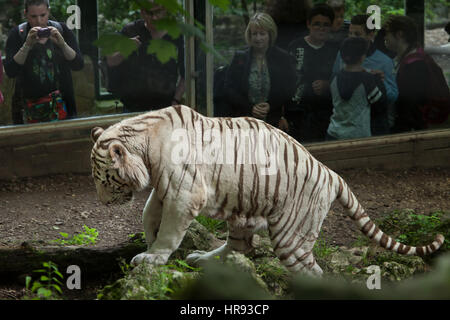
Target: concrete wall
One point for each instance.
(43, 149)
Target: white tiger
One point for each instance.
(292, 202)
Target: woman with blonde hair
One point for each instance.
(260, 80)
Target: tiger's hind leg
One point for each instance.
(299, 260)
(239, 239)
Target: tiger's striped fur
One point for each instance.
(293, 202)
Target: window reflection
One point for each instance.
(229, 37)
(229, 29)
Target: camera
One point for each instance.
(43, 33)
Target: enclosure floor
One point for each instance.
(36, 210)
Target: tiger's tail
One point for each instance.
(356, 212)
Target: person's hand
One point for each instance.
(320, 87)
(32, 37)
(137, 40)
(378, 73)
(260, 110)
(56, 37)
(283, 125)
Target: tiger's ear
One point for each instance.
(131, 168)
(95, 133)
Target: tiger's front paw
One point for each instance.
(151, 258)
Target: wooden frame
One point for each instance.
(38, 150)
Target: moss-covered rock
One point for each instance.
(344, 257)
(222, 281)
(273, 273)
(147, 282)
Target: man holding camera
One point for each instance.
(40, 54)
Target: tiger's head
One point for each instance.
(117, 172)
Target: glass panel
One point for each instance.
(89, 84)
(229, 28)
(437, 39)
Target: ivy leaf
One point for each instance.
(111, 43)
(222, 4)
(170, 25)
(171, 5)
(163, 49)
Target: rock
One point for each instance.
(147, 282)
(395, 271)
(432, 285)
(199, 238)
(273, 273)
(345, 257)
(220, 281)
(357, 254)
(243, 264)
(339, 260)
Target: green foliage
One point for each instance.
(148, 282)
(389, 7)
(417, 229)
(87, 237)
(322, 249)
(174, 23)
(183, 266)
(137, 237)
(431, 8)
(48, 287)
(164, 50)
(222, 4)
(111, 43)
(214, 226)
(114, 15)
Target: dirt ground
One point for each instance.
(37, 209)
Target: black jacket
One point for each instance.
(282, 78)
(142, 82)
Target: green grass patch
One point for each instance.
(87, 237)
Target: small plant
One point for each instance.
(48, 285)
(321, 248)
(148, 282)
(137, 237)
(87, 237)
(214, 226)
(416, 229)
(182, 266)
(361, 241)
